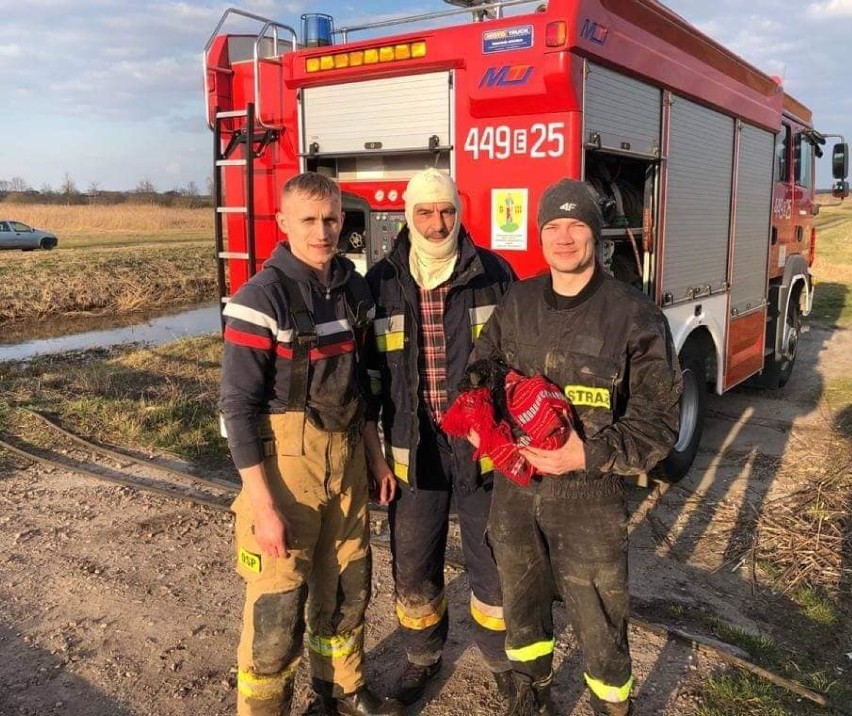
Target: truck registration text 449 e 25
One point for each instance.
(539, 141)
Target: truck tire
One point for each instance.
(692, 409)
(778, 372)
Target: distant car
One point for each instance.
(15, 235)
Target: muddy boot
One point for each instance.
(278, 705)
(412, 683)
(505, 681)
(541, 689)
(609, 708)
(365, 703)
(531, 698)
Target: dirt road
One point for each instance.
(112, 603)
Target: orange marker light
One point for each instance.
(556, 33)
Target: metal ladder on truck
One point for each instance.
(248, 131)
(252, 144)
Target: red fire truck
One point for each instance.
(704, 165)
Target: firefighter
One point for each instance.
(609, 348)
(433, 293)
(293, 409)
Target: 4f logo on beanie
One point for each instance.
(568, 206)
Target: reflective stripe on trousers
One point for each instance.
(323, 496)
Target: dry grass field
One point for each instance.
(81, 226)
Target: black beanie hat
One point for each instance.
(570, 199)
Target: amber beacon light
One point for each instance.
(368, 56)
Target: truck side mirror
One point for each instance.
(840, 161)
(840, 190)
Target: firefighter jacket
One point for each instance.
(478, 282)
(260, 335)
(609, 348)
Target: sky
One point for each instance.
(109, 92)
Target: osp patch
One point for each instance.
(250, 560)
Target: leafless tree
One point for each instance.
(18, 184)
(145, 186)
(68, 188)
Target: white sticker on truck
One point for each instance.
(539, 141)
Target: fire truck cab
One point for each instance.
(704, 166)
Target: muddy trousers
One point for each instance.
(323, 497)
(419, 521)
(547, 547)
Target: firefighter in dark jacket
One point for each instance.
(609, 348)
(433, 294)
(293, 408)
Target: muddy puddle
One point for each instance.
(52, 335)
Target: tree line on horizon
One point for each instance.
(18, 191)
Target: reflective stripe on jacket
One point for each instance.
(479, 281)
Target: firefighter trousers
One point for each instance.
(323, 496)
(419, 522)
(546, 547)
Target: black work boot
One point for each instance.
(412, 682)
(505, 681)
(365, 703)
(531, 698)
(609, 708)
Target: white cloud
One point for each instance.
(830, 9)
(12, 50)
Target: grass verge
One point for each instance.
(833, 266)
(161, 398)
(44, 284)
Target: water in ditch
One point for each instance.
(51, 335)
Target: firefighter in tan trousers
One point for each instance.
(292, 400)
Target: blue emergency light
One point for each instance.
(317, 29)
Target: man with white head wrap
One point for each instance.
(433, 293)
(432, 204)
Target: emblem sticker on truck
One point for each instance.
(506, 39)
(539, 141)
(509, 219)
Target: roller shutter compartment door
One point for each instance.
(621, 113)
(751, 225)
(698, 201)
(391, 114)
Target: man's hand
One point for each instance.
(571, 456)
(270, 531)
(269, 526)
(383, 483)
(387, 487)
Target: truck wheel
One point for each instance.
(789, 346)
(776, 373)
(692, 404)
